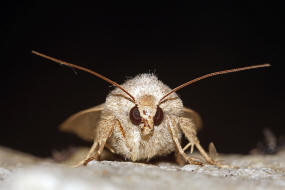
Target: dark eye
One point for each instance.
(158, 116)
(135, 116)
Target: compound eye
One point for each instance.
(135, 116)
(158, 116)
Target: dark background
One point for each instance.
(177, 41)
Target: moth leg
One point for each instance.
(123, 133)
(189, 130)
(172, 125)
(90, 156)
(104, 131)
(110, 148)
(190, 144)
(179, 158)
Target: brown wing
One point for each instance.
(189, 113)
(83, 123)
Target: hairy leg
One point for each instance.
(189, 130)
(104, 131)
(100, 141)
(173, 128)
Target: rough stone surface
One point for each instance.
(22, 171)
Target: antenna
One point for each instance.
(86, 70)
(211, 75)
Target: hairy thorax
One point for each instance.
(133, 146)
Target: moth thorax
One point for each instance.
(146, 100)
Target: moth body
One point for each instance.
(143, 141)
(141, 119)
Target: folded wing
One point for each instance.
(83, 123)
(194, 116)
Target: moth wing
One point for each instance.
(83, 123)
(213, 151)
(194, 116)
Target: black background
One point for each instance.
(177, 41)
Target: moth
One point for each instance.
(141, 119)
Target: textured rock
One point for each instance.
(22, 171)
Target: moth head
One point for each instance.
(146, 114)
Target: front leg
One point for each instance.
(188, 128)
(103, 131)
(173, 129)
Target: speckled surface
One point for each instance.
(22, 171)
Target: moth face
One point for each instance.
(146, 114)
